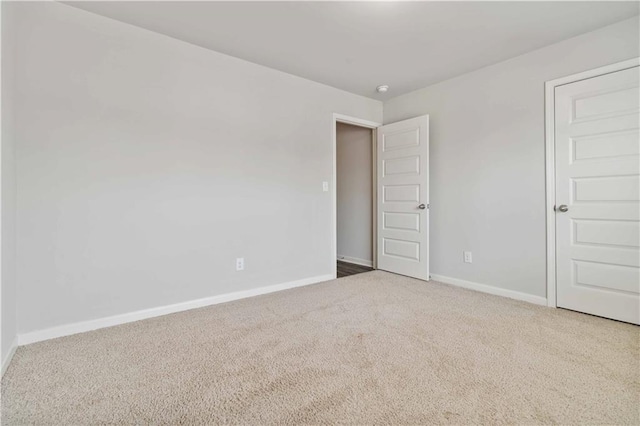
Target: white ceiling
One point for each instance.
(357, 46)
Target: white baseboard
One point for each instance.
(7, 360)
(355, 260)
(84, 326)
(484, 288)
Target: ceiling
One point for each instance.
(356, 46)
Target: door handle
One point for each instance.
(562, 208)
(422, 207)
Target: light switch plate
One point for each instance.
(325, 186)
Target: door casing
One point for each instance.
(550, 173)
(340, 118)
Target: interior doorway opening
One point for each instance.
(400, 196)
(355, 199)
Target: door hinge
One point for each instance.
(428, 206)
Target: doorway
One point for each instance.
(399, 207)
(593, 192)
(355, 188)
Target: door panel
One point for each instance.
(598, 178)
(403, 185)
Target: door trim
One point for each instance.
(550, 169)
(341, 118)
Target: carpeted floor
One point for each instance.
(370, 348)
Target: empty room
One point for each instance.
(304, 212)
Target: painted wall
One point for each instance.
(354, 157)
(7, 198)
(487, 165)
(146, 165)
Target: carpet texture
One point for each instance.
(370, 348)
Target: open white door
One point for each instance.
(403, 197)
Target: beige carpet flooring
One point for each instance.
(373, 348)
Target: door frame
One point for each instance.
(550, 162)
(341, 118)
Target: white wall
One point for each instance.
(147, 165)
(488, 162)
(354, 192)
(7, 199)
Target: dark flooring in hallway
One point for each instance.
(345, 269)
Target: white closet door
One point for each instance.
(597, 195)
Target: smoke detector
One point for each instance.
(382, 89)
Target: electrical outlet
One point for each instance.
(467, 257)
(240, 264)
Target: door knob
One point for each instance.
(422, 207)
(562, 208)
